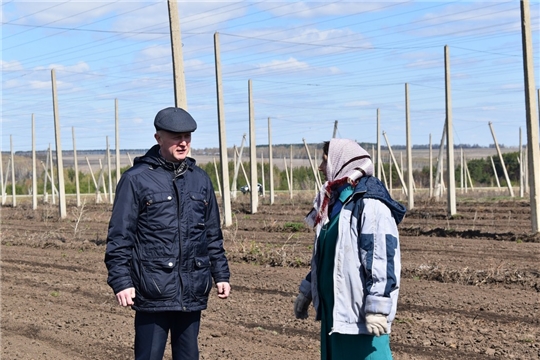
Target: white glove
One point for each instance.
(301, 306)
(376, 324)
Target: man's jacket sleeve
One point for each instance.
(216, 252)
(121, 235)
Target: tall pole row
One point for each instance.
(223, 158)
(451, 192)
(532, 120)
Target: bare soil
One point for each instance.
(470, 285)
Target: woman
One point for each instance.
(356, 264)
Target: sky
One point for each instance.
(311, 64)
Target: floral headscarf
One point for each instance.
(347, 163)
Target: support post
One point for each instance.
(252, 151)
(224, 160)
(34, 170)
(531, 116)
(59, 159)
(450, 169)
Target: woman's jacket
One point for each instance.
(367, 261)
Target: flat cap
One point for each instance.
(174, 119)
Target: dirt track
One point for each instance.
(470, 287)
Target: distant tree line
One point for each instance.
(481, 171)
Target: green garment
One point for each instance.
(341, 346)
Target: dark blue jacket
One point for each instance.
(164, 236)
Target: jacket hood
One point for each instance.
(373, 188)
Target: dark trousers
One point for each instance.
(152, 330)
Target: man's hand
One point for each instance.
(126, 296)
(223, 289)
(376, 324)
(301, 306)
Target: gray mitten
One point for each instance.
(301, 305)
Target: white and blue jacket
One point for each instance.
(367, 262)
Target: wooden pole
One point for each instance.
(291, 173)
(438, 175)
(450, 169)
(96, 185)
(390, 165)
(117, 140)
(262, 175)
(317, 185)
(217, 178)
(379, 165)
(59, 159)
(111, 198)
(396, 164)
(509, 184)
(287, 173)
(77, 186)
(461, 171)
(410, 181)
(53, 184)
(2, 187)
(180, 98)
(34, 170)
(252, 151)
(223, 158)
(13, 182)
(520, 158)
(495, 172)
(531, 115)
(271, 162)
(45, 177)
(430, 168)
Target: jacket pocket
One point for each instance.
(201, 277)
(159, 278)
(160, 210)
(198, 205)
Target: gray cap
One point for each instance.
(174, 119)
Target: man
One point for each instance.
(164, 243)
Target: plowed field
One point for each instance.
(470, 285)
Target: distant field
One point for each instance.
(420, 158)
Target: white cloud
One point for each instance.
(11, 65)
(290, 64)
(305, 9)
(512, 86)
(424, 64)
(40, 84)
(81, 66)
(358, 103)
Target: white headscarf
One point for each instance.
(346, 160)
